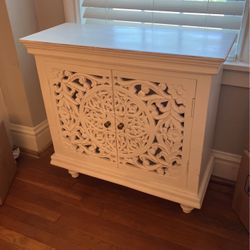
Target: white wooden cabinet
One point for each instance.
(130, 106)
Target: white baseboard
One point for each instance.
(34, 139)
(226, 165)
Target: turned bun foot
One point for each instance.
(73, 173)
(186, 209)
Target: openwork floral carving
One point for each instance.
(134, 123)
(153, 134)
(84, 103)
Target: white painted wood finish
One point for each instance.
(188, 42)
(133, 106)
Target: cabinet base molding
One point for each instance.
(179, 195)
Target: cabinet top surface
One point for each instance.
(177, 41)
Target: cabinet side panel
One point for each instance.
(211, 120)
(201, 160)
(41, 68)
(198, 131)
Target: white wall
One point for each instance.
(19, 81)
(244, 37)
(22, 18)
(11, 79)
(232, 125)
(49, 13)
(23, 22)
(244, 55)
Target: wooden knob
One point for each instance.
(107, 124)
(120, 126)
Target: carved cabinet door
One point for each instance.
(153, 121)
(82, 100)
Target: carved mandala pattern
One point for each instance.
(135, 131)
(139, 123)
(84, 104)
(153, 115)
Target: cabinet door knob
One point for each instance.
(120, 126)
(107, 124)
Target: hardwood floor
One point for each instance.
(47, 209)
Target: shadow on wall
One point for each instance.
(232, 125)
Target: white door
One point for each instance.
(81, 114)
(153, 121)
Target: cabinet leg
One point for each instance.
(186, 209)
(73, 174)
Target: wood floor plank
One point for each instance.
(21, 241)
(115, 232)
(154, 230)
(46, 206)
(224, 225)
(50, 185)
(155, 225)
(121, 214)
(31, 208)
(7, 246)
(61, 237)
(79, 209)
